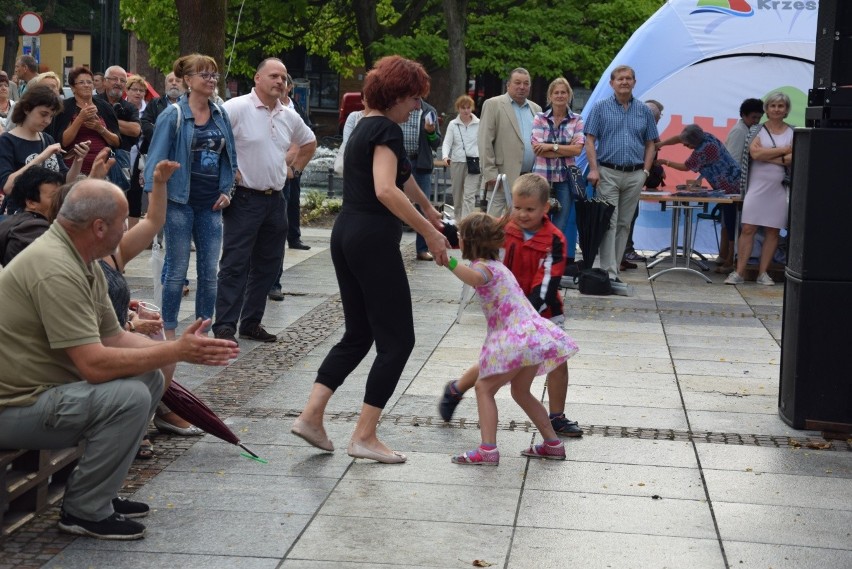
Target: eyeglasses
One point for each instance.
(116, 80)
(137, 90)
(207, 76)
(85, 83)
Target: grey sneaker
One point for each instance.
(765, 280)
(734, 279)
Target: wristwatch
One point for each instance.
(647, 173)
(297, 173)
(556, 148)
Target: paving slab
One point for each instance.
(536, 548)
(779, 489)
(156, 560)
(784, 525)
(786, 460)
(424, 502)
(763, 555)
(377, 542)
(616, 513)
(619, 479)
(209, 532)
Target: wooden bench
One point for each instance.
(30, 481)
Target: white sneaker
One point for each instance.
(765, 280)
(735, 279)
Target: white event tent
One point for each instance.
(700, 59)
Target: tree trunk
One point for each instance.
(367, 23)
(10, 49)
(207, 36)
(455, 12)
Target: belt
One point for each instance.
(265, 191)
(627, 168)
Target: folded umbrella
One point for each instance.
(186, 404)
(593, 219)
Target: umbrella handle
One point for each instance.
(245, 448)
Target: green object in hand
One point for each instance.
(453, 264)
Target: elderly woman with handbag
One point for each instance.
(557, 137)
(461, 154)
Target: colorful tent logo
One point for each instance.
(739, 8)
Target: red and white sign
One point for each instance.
(30, 24)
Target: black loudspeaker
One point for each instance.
(821, 205)
(815, 384)
(833, 45)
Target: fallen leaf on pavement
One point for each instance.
(481, 563)
(818, 446)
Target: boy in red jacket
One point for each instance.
(534, 251)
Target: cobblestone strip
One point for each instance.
(616, 431)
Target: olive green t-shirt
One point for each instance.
(50, 299)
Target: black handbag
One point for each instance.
(472, 161)
(593, 281)
(472, 164)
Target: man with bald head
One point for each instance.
(71, 373)
(255, 224)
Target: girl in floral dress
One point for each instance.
(520, 343)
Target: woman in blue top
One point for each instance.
(196, 133)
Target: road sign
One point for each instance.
(30, 24)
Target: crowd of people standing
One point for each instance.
(219, 175)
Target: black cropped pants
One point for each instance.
(376, 304)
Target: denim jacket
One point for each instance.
(166, 144)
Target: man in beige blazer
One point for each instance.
(504, 135)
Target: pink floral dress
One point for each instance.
(517, 335)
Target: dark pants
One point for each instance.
(376, 304)
(294, 210)
(729, 219)
(255, 227)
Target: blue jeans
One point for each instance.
(566, 219)
(424, 180)
(183, 224)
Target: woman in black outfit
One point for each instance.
(367, 259)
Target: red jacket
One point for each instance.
(538, 264)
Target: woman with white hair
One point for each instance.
(765, 203)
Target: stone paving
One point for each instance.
(685, 462)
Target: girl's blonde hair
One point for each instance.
(482, 236)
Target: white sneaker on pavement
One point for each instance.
(765, 280)
(735, 279)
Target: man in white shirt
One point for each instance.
(255, 224)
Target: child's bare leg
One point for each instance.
(521, 384)
(467, 379)
(486, 389)
(557, 389)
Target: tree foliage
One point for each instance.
(576, 38)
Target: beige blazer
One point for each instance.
(501, 149)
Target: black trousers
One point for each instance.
(254, 229)
(376, 304)
(294, 210)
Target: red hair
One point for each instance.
(393, 78)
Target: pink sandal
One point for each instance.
(479, 457)
(546, 451)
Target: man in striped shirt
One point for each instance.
(620, 134)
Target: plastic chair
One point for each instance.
(715, 216)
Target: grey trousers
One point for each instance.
(110, 417)
(621, 189)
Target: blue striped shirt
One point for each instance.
(525, 116)
(620, 135)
